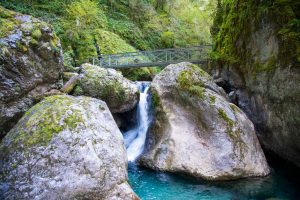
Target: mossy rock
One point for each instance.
(197, 131)
(30, 48)
(47, 118)
(8, 23)
(120, 94)
(62, 137)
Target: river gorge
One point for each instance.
(151, 100)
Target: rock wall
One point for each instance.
(257, 48)
(30, 64)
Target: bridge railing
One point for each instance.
(162, 57)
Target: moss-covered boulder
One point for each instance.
(30, 64)
(119, 93)
(65, 148)
(197, 131)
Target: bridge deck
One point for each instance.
(162, 57)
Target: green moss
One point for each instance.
(46, 119)
(36, 33)
(6, 27)
(14, 165)
(7, 22)
(234, 108)
(190, 81)
(22, 47)
(234, 135)
(197, 90)
(112, 89)
(224, 116)
(265, 67)
(54, 44)
(212, 99)
(155, 99)
(237, 20)
(33, 42)
(78, 91)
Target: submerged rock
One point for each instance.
(120, 94)
(65, 148)
(197, 131)
(30, 64)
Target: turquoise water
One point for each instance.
(151, 185)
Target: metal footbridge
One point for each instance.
(154, 58)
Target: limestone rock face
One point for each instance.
(119, 93)
(267, 80)
(30, 64)
(65, 148)
(197, 131)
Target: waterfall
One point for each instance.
(136, 137)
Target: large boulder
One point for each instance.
(197, 131)
(120, 94)
(30, 64)
(65, 148)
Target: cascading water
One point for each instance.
(136, 137)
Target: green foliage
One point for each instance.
(111, 43)
(128, 31)
(119, 26)
(168, 38)
(81, 23)
(235, 20)
(78, 91)
(68, 60)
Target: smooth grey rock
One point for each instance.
(197, 132)
(30, 64)
(120, 94)
(65, 148)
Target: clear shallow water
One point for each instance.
(151, 185)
